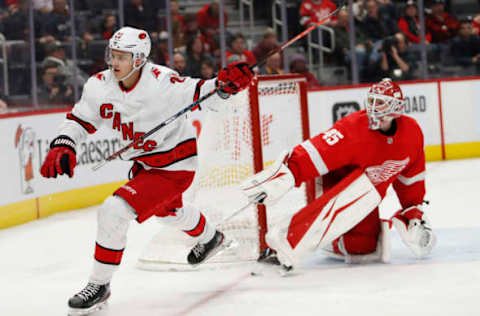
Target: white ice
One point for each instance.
(43, 263)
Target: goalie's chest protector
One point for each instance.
(130, 113)
(385, 157)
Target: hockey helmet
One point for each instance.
(131, 40)
(384, 101)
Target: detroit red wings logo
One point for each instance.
(379, 174)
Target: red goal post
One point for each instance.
(245, 135)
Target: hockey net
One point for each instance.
(245, 135)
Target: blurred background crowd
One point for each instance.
(65, 41)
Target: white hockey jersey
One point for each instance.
(158, 94)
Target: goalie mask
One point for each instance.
(130, 40)
(384, 102)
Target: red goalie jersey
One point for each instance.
(396, 158)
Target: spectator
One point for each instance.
(179, 63)
(465, 47)
(268, 43)
(208, 16)
(178, 25)
(195, 56)
(273, 65)
(396, 63)
(298, 65)
(191, 27)
(15, 22)
(56, 55)
(409, 24)
(441, 25)
(388, 16)
(139, 15)
(57, 23)
(312, 11)
(237, 47)
(52, 89)
(359, 11)
(208, 69)
(44, 6)
(160, 56)
(109, 26)
(342, 41)
(373, 25)
(476, 24)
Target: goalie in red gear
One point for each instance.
(130, 98)
(358, 158)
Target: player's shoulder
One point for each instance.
(409, 123)
(356, 119)
(157, 72)
(99, 80)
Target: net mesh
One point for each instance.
(226, 158)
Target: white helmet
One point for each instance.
(131, 40)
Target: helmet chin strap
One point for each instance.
(131, 71)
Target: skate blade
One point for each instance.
(265, 269)
(226, 244)
(87, 311)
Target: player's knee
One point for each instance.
(114, 206)
(360, 244)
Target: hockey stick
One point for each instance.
(209, 94)
(255, 200)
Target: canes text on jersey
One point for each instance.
(127, 129)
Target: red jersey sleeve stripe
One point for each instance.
(196, 95)
(315, 157)
(411, 180)
(87, 126)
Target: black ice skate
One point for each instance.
(201, 252)
(268, 257)
(92, 298)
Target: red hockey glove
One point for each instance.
(234, 78)
(61, 158)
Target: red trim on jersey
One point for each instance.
(183, 150)
(442, 136)
(133, 86)
(87, 126)
(196, 95)
(306, 133)
(199, 228)
(108, 256)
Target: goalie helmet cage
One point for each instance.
(244, 134)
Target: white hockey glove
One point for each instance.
(415, 230)
(274, 182)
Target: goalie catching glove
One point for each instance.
(415, 230)
(274, 182)
(233, 79)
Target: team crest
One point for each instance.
(388, 169)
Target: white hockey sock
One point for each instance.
(190, 220)
(113, 220)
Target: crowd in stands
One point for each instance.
(387, 39)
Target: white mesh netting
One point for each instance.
(226, 158)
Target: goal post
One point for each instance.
(244, 136)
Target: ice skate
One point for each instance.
(91, 299)
(268, 261)
(202, 252)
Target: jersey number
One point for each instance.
(174, 79)
(332, 136)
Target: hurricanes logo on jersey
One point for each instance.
(379, 174)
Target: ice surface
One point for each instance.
(43, 263)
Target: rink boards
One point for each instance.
(448, 112)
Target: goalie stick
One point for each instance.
(212, 92)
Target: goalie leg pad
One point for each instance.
(325, 219)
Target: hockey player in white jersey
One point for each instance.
(130, 98)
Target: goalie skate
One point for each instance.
(268, 261)
(89, 300)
